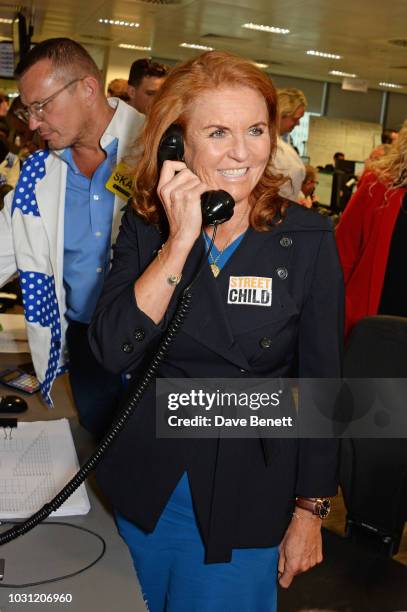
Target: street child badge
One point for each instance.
(250, 290)
(120, 182)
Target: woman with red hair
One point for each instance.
(209, 522)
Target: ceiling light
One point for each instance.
(260, 65)
(322, 54)
(135, 47)
(392, 85)
(193, 46)
(118, 22)
(343, 74)
(4, 20)
(265, 28)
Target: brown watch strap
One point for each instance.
(307, 503)
(319, 506)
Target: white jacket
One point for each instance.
(286, 161)
(32, 243)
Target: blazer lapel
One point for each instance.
(50, 195)
(256, 256)
(215, 323)
(207, 321)
(128, 124)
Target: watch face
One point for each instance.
(324, 508)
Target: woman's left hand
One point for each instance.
(301, 546)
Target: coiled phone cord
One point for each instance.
(90, 464)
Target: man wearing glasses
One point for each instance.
(57, 227)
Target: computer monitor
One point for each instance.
(346, 165)
(324, 189)
(359, 168)
(6, 60)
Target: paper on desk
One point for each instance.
(13, 334)
(38, 460)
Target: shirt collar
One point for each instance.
(115, 126)
(66, 154)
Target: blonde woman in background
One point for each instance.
(292, 104)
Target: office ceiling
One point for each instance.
(370, 35)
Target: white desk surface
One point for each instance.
(49, 551)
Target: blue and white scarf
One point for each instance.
(38, 289)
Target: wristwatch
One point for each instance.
(320, 506)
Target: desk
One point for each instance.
(49, 551)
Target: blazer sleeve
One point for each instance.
(350, 237)
(320, 356)
(8, 265)
(120, 334)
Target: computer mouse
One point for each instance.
(12, 403)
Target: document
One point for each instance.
(36, 460)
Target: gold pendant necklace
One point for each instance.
(215, 269)
(213, 265)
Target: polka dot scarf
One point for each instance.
(38, 289)
(32, 171)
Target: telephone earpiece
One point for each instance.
(217, 206)
(171, 145)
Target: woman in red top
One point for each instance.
(372, 238)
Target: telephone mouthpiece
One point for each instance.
(217, 207)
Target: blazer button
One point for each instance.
(265, 342)
(282, 273)
(139, 335)
(243, 371)
(127, 347)
(286, 241)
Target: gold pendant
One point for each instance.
(215, 269)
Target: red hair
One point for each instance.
(182, 87)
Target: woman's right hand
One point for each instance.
(180, 192)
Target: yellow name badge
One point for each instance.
(120, 182)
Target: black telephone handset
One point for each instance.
(217, 206)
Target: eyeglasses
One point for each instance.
(38, 109)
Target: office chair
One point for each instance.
(373, 471)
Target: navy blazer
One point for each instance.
(243, 490)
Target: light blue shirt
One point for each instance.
(88, 225)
